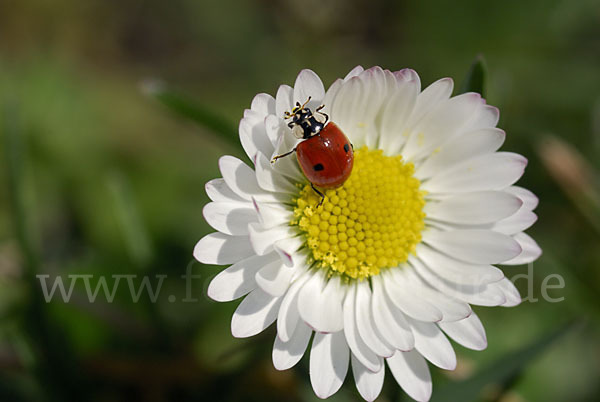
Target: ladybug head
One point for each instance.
(305, 123)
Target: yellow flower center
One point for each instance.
(370, 223)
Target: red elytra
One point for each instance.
(326, 158)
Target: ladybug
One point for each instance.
(326, 157)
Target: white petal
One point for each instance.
(481, 295)
(256, 312)
(513, 297)
(375, 85)
(474, 208)
(468, 332)
(488, 172)
(433, 344)
(253, 136)
(275, 127)
(368, 383)
(229, 218)
(238, 279)
(404, 298)
(253, 116)
(361, 350)
(459, 272)
(287, 248)
(357, 105)
(301, 265)
(431, 96)
(221, 249)
(288, 317)
(283, 100)
(366, 324)
(287, 354)
(308, 84)
(263, 240)
(487, 117)
(530, 201)
(354, 72)
(465, 146)
(287, 166)
(242, 180)
(390, 321)
(518, 222)
(346, 110)
(270, 179)
(531, 250)
(263, 103)
(474, 246)
(271, 215)
(395, 117)
(274, 278)
(331, 94)
(392, 83)
(328, 363)
(412, 374)
(452, 309)
(408, 75)
(440, 124)
(283, 141)
(218, 191)
(320, 303)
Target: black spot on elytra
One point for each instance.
(346, 147)
(318, 167)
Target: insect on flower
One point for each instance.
(384, 270)
(326, 156)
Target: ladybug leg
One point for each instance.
(282, 155)
(318, 110)
(319, 193)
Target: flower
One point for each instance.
(385, 270)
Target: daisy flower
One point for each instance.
(385, 270)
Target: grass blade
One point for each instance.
(574, 175)
(132, 227)
(474, 81)
(13, 149)
(502, 372)
(54, 361)
(192, 110)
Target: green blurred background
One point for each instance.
(98, 177)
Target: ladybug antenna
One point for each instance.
(308, 100)
(296, 108)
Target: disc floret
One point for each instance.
(372, 222)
